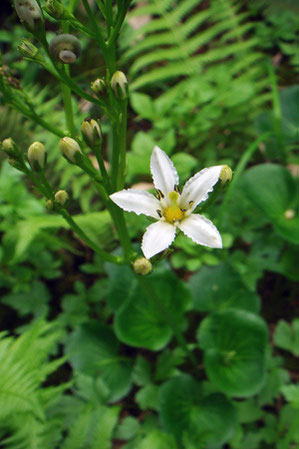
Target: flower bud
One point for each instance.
(70, 149)
(92, 133)
(289, 214)
(65, 48)
(37, 156)
(49, 204)
(226, 174)
(10, 148)
(61, 197)
(56, 10)
(142, 266)
(99, 87)
(119, 84)
(27, 49)
(29, 13)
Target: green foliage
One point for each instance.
(234, 344)
(25, 421)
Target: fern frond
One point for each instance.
(24, 366)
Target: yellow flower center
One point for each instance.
(173, 213)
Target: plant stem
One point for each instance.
(123, 146)
(106, 256)
(68, 108)
(239, 170)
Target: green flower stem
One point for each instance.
(109, 15)
(277, 122)
(47, 186)
(115, 155)
(101, 8)
(68, 107)
(119, 22)
(239, 170)
(104, 255)
(98, 36)
(122, 146)
(106, 180)
(35, 181)
(153, 297)
(115, 212)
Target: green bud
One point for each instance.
(226, 174)
(289, 214)
(30, 14)
(61, 197)
(99, 87)
(119, 84)
(37, 156)
(49, 204)
(56, 10)
(142, 266)
(65, 48)
(9, 147)
(27, 49)
(70, 149)
(91, 132)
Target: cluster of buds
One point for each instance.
(36, 155)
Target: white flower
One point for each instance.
(171, 208)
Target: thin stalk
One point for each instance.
(239, 170)
(68, 107)
(123, 146)
(109, 15)
(106, 256)
(48, 188)
(276, 109)
(99, 38)
(101, 8)
(97, 152)
(115, 155)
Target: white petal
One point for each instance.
(158, 236)
(201, 231)
(137, 201)
(198, 187)
(164, 173)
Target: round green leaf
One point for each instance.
(273, 190)
(93, 349)
(217, 288)
(191, 415)
(144, 320)
(234, 342)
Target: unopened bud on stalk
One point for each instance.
(226, 174)
(30, 14)
(37, 156)
(142, 266)
(61, 197)
(92, 133)
(119, 84)
(289, 214)
(99, 87)
(10, 148)
(65, 48)
(27, 49)
(56, 10)
(49, 204)
(70, 149)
